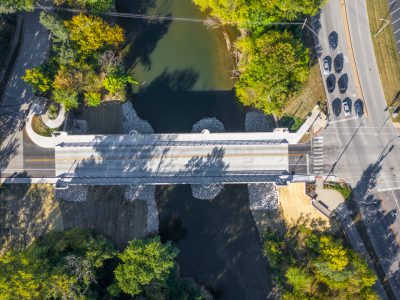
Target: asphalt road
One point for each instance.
(363, 151)
(17, 95)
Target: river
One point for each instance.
(185, 73)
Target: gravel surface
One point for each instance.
(145, 193)
(258, 122)
(131, 121)
(74, 193)
(212, 124)
(80, 127)
(205, 191)
(263, 196)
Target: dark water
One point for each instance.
(218, 241)
(184, 67)
(186, 73)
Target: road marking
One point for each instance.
(100, 157)
(388, 189)
(392, 2)
(343, 120)
(395, 10)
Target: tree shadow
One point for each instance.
(142, 35)
(376, 227)
(178, 80)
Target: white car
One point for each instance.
(327, 66)
(346, 109)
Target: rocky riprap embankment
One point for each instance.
(207, 191)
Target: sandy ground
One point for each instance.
(297, 208)
(26, 212)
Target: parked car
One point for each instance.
(331, 83)
(333, 40)
(327, 65)
(358, 109)
(346, 108)
(343, 83)
(338, 63)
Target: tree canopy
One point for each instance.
(12, 6)
(256, 14)
(273, 68)
(91, 33)
(94, 5)
(310, 265)
(143, 262)
(84, 65)
(78, 264)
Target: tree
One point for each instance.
(92, 33)
(116, 82)
(92, 99)
(273, 68)
(53, 24)
(12, 6)
(316, 266)
(257, 14)
(67, 97)
(94, 5)
(61, 265)
(38, 79)
(142, 263)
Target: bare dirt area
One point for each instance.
(297, 208)
(106, 212)
(27, 212)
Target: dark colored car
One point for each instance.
(338, 63)
(331, 83)
(343, 83)
(333, 40)
(327, 65)
(358, 108)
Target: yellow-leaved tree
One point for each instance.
(91, 33)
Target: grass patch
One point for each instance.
(343, 188)
(385, 49)
(293, 123)
(39, 127)
(313, 93)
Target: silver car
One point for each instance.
(327, 66)
(346, 109)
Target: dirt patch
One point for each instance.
(107, 212)
(296, 206)
(27, 212)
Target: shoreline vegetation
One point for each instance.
(263, 81)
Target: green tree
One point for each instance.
(273, 68)
(61, 265)
(38, 79)
(91, 33)
(92, 98)
(66, 97)
(257, 14)
(12, 6)
(142, 263)
(55, 25)
(94, 5)
(116, 82)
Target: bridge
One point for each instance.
(193, 158)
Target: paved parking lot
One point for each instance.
(394, 11)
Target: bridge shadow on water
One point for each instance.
(218, 241)
(171, 104)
